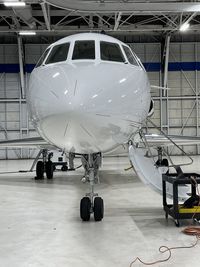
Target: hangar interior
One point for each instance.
(177, 112)
(171, 59)
(154, 38)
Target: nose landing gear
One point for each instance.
(91, 203)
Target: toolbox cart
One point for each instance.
(175, 210)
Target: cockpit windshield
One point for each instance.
(84, 50)
(58, 53)
(111, 52)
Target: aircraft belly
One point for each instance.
(86, 133)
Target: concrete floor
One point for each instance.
(40, 224)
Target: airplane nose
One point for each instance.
(75, 108)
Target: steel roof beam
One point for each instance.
(46, 17)
(117, 20)
(126, 29)
(25, 14)
(129, 6)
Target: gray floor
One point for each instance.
(40, 225)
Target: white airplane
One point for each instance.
(88, 95)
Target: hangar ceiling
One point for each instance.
(62, 17)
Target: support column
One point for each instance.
(21, 66)
(164, 113)
(71, 160)
(197, 98)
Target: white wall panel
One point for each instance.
(187, 52)
(33, 52)
(11, 54)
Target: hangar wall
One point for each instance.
(177, 112)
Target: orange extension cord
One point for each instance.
(190, 230)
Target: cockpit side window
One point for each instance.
(131, 59)
(111, 52)
(84, 50)
(42, 58)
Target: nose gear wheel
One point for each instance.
(85, 207)
(98, 209)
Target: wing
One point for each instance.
(146, 166)
(157, 140)
(32, 142)
(151, 174)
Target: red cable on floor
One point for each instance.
(164, 249)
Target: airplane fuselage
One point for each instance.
(88, 105)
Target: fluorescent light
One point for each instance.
(184, 27)
(14, 3)
(27, 33)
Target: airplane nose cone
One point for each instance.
(75, 109)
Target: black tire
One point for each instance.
(49, 169)
(64, 168)
(98, 209)
(40, 170)
(165, 162)
(85, 207)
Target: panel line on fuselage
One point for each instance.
(66, 129)
(75, 87)
(102, 115)
(86, 131)
(53, 93)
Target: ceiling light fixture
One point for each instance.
(14, 3)
(27, 33)
(185, 26)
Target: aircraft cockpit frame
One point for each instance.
(89, 50)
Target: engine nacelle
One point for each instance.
(151, 108)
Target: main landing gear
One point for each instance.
(45, 165)
(91, 203)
